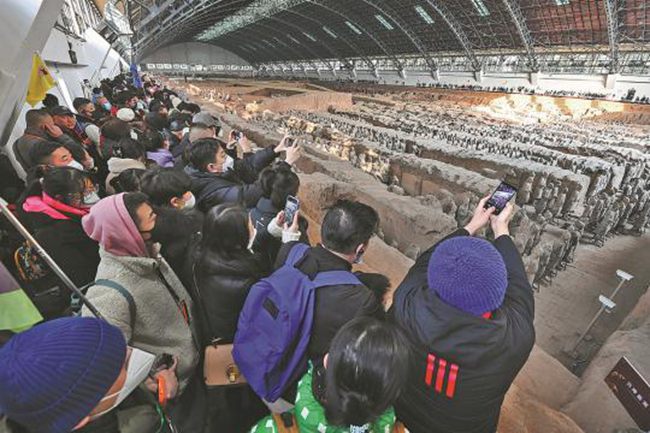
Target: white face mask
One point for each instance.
(252, 241)
(358, 260)
(138, 368)
(190, 203)
(75, 164)
(228, 164)
(91, 199)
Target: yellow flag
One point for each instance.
(40, 81)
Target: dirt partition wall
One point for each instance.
(308, 101)
(595, 408)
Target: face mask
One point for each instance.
(91, 165)
(75, 164)
(107, 106)
(189, 204)
(228, 164)
(140, 364)
(90, 199)
(358, 260)
(252, 241)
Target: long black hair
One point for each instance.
(128, 148)
(64, 184)
(225, 231)
(278, 182)
(366, 369)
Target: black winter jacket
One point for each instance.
(177, 231)
(335, 305)
(223, 285)
(261, 215)
(23, 146)
(67, 243)
(461, 365)
(239, 185)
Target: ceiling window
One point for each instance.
(353, 27)
(330, 32)
(293, 39)
(482, 9)
(562, 2)
(424, 14)
(310, 37)
(384, 22)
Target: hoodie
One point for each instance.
(160, 325)
(461, 365)
(110, 225)
(116, 166)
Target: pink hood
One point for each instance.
(110, 225)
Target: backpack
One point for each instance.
(274, 328)
(40, 283)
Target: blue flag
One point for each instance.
(137, 82)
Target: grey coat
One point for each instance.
(159, 326)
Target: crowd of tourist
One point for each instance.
(178, 233)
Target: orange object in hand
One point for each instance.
(162, 391)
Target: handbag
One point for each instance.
(219, 367)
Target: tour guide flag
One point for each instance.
(40, 81)
(17, 313)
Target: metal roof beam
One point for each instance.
(313, 53)
(172, 25)
(344, 39)
(524, 32)
(613, 33)
(371, 35)
(458, 32)
(415, 40)
(277, 39)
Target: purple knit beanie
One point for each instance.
(468, 273)
(54, 374)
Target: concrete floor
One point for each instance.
(566, 306)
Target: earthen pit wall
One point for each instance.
(479, 162)
(310, 101)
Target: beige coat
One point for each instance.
(159, 326)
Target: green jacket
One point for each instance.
(310, 415)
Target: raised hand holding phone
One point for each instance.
(500, 197)
(500, 223)
(290, 209)
(481, 216)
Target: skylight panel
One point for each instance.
(293, 39)
(482, 9)
(424, 14)
(562, 2)
(310, 37)
(330, 32)
(384, 22)
(353, 27)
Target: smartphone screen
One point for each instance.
(290, 209)
(501, 197)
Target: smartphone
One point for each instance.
(290, 209)
(500, 198)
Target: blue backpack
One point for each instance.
(270, 346)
